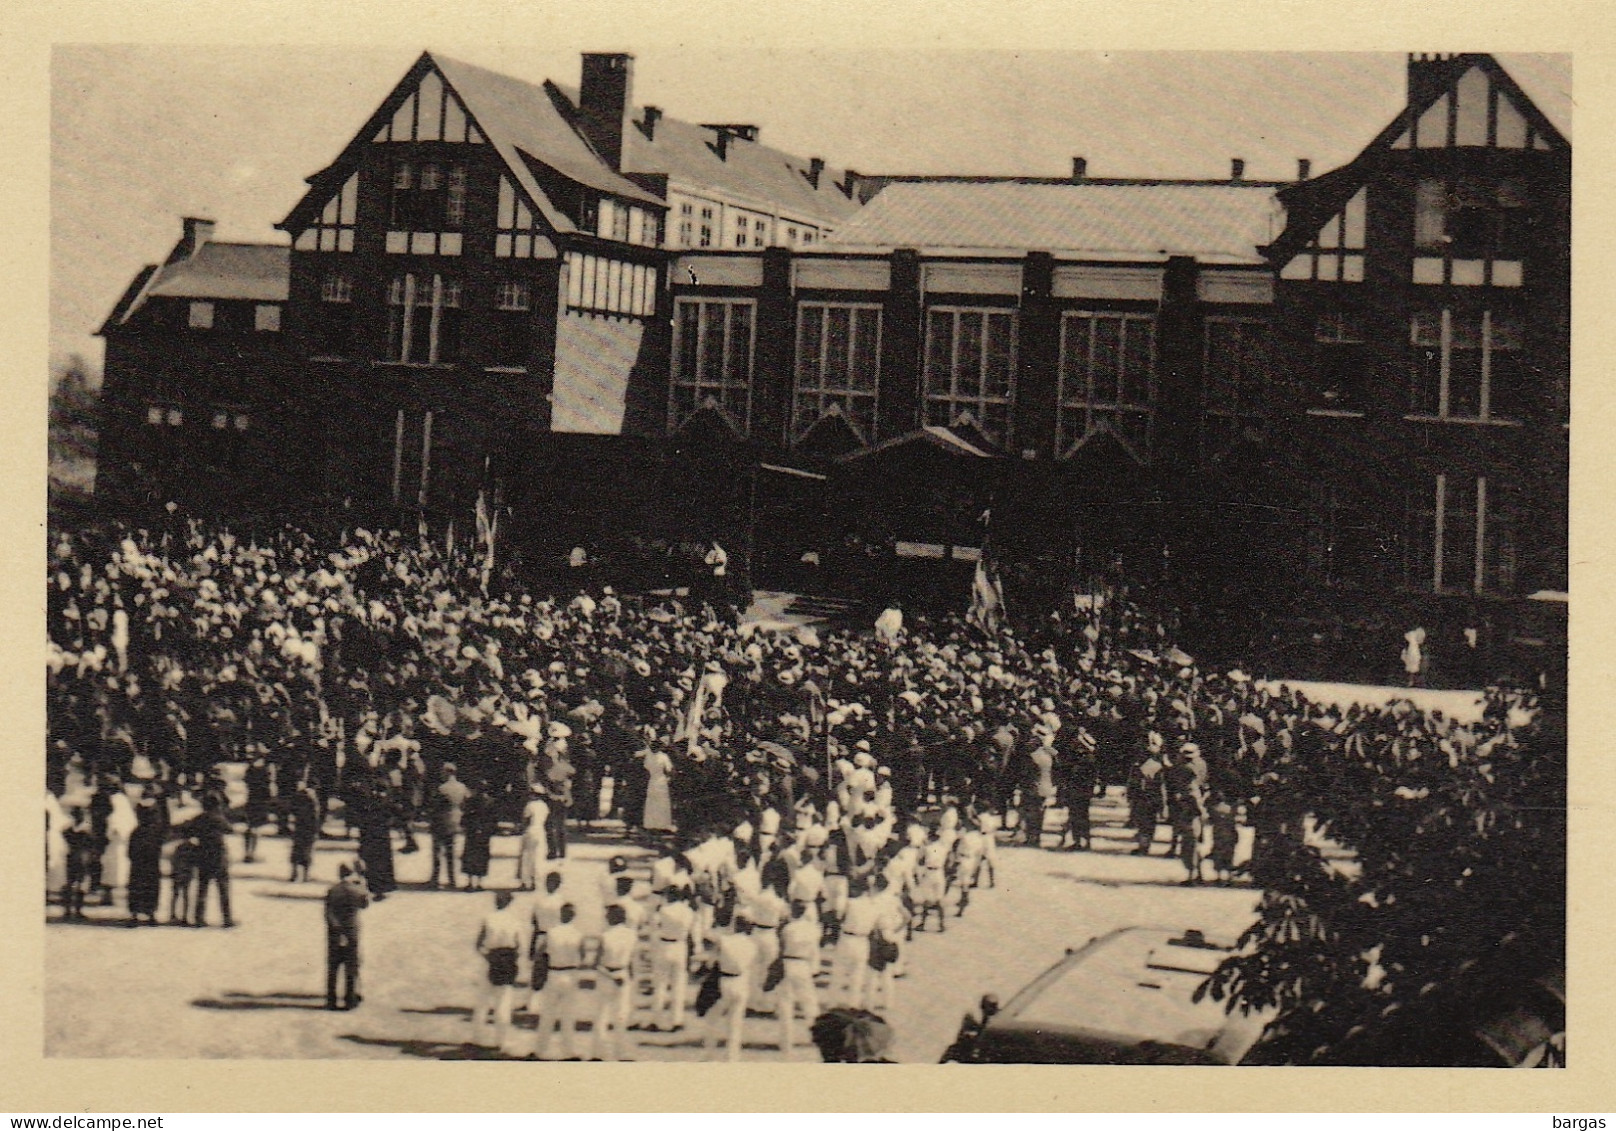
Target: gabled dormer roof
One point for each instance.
(527, 124)
(1433, 80)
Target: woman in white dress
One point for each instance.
(120, 823)
(534, 816)
(658, 801)
(55, 843)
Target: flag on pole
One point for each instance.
(487, 531)
(987, 598)
(987, 592)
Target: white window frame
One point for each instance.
(444, 294)
(699, 382)
(818, 389)
(200, 316)
(1484, 413)
(1087, 405)
(1478, 554)
(267, 317)
(975, 405)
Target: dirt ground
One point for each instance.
(257, 991)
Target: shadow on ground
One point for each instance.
(234, 1000)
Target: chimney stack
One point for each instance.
(1237, 168)
(816, 166)
(729, 131)
(1304, 168)
(606, 102)
(1427, 70)
(850, 185)
(653, 115)
(195, 233)
(1080, 168)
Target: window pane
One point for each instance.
(1464, 382)
(1136, 363)
(1459, 535)
(1499, 558)
(810, 323)
(1253, 367)
(939, 338)
(838, 341)
(1222, 363)
(689, 333)
(1075, 360)
(1000, 353)
(1430, 215)
(1508, 396)
(738, 372)
(1419, 541)
(1107, 360)
(866, 349)
(968, 362)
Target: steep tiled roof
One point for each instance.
(228, 271)
(749, 170)
(251, 272)
(1214, 222)
(518, 115)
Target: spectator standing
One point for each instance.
(446, 821)
(343, 902)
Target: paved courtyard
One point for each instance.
(258, 990)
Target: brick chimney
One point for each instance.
(653, 115)
(1427, 72)
(850, 184)
(1080, 168)
(606, 102)
(1304, 168)
(816, 166)
(195, 232)
(1237, 168)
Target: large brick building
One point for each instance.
(1349, 390)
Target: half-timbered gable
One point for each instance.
(1423, 287)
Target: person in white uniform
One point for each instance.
(545, 912)
(615, 992)
(558, 1010)
(851, 977)
(672, 935)
(737, 959)
(799, 948)
(499, 941)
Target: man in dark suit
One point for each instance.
(212, 859)
(343, 903)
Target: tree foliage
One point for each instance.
(1422, 919)
(74, 401)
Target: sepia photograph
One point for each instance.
(672, 553)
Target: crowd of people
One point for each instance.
(858, 780)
